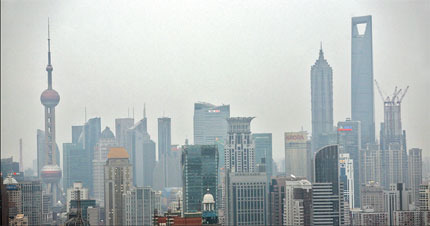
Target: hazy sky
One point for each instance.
(111, 56)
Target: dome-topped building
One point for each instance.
(209, 215)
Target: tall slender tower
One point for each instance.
(51, 172)
(362, 103)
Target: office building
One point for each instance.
(327, 191)
(106, 141)
(89, 137)
(31, 193)
(411, 218)
(164, 149)
(121, 127)
(370, 217)
(14, 197)
(396, 199)
(9, 167)
(362, 100)
(349, 140)
(372, 197)
(297, 155)
(424, 197)
(139, 206)
(371, 164)
(76, 165)
(199, 175)
(263, 152)
(118, 176)
(247, 199)
(346, 170)
(93, 215)
(321, 101)
(239, 148)
(84, 204)
(276, 200)
(210, 122)
(415, 173)
(72, 193)
(298, 202)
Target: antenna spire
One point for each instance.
(321, 57)
(49, 68)
(144, 110)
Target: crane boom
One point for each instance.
(403, 95)
(380, 91)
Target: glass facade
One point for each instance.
(200, 174)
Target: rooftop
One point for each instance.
(118, 153)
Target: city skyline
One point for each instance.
(279, 63)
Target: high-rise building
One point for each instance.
(107, 140)
(362, 100)
(346, 171)
(370, 217)
(210, 122)
(121, 127)
(118, 175)
(14, 196)
(396, 199)
(31, 192)
(164, 149)
(246, 199)
(263, 152)
(199, 175)
(327, 191)
(322, 101)
(349, 140)
(415, 173)
(9, 167)
(297, 156)
(276, 200)
(72, 193)
(51, 172)
(372, 197)
(139, 205)
(239, 148)
(424, 197)
(371, 163)
(76, 165)
(411, 218)
(298, 202)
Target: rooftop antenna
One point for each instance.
(133, 112)
(85, 114)
(144, 110)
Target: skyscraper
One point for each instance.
(415, 173)
(322, 102)
(396, 199)
(51, 172)
(239, 147)
(297, 158)
(76, 165)
(246, 199)
(298, 202)
(107, 140)
(371, 164)
(362, 103)
(134, 145)
(210, 122)
(327, 197)
(349, 140)
(164, 149)
(346, 171)
(118, 175)
(32, 201)
(263, 152)
(121, 127)
(199, 175)
(276, 200)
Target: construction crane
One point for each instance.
(403, 95)
(380, 91)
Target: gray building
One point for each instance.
(396, 199)
(372, 197)
(263, 152)
(239, 147)
(89, 137)
(321, 102)
(164, 149)
(76, 165)
(210, 122)
(298, 203)
(121, 127)
(297, 154)
(139, 205)
(247, 199)
(371, 163)
(327, 191)
(118, 177)
(199, 175)
(362, 100)
(415, 173)
(31, 192)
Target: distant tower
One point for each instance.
(51, 172)
(322, 102)
(362, 103)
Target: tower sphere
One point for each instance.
(51, 173)
(50, 98)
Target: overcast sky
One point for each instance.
(111, 56)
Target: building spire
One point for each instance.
(49, 68)
(144, 110)
(321, 52)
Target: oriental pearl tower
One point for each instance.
(51, 172)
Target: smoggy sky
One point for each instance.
(111, 56)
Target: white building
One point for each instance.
(297, 159)
(106, 141)
(72, 193)
(297, 202)
(346, 168)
